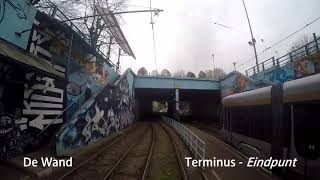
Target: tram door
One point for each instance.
(226, 122)
(277, 140)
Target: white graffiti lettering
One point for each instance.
(42, 99)
(39, 122)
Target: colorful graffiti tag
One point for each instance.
(238, 85)
(281, 75)
(42, 43)
(52, 44)
(307, 66)
(109, 112)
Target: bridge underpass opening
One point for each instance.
(194, 105)
(204, 105)
(146, 101)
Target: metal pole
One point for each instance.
(214, 67)
(69, 55)
(109, 48)
(118, 63)
(316, 42)
(252, 38)
(177, 104)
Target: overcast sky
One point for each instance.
(186, 36)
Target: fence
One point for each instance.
(193, 142)
(306, 50)
(52, 10)
(74, 104)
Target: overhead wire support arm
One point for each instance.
(92, 16)
(114, 13)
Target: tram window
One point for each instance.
(224, 118)
(253, 121)
(306, 129)
(240, 120)
(287, 125)
(262, 122)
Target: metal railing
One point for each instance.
(48, 7)
(75, 104)
(304, 51)
(196, 146)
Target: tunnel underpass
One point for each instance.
(183, 104)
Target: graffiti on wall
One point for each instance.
(28, 103)
(41, 43)
(109, 112)
(16, 7)
(307, 66)
(20, 12)
(11, 94)
(43, 102)
(238, 85)
(52, 44)
(281, 75)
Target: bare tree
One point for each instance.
(180, 74)
(191, 75)
(165, 73)
(142, 72)
(155, 73)
(302, 41)
(216, 74)
(94, 27)
(202, 75)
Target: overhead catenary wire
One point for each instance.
(233, 29)
(282, 40)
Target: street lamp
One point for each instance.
(253, 41)
(277, 53)
(213, 62)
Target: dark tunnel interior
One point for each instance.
(194, 105)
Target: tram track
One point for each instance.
(135, 163)
(146, 169)
(148, 151)
(105, 163)
(177, 153)
(192, 173)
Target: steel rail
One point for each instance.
(177, 152)
(205, 177)
(146, 168)
(115, 166)
(94, 155)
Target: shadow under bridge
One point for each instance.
(182, 99)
